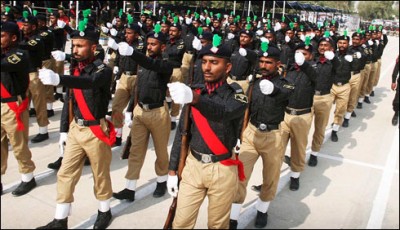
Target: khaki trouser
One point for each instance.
(243, 83)
(354, 91)
(296, 128)
(82, 142)
(365, 75)
(371, 80)
(175, 77)
(340, 96)
(49, 64)
(17, 139)
(378, 72)
(123, 93)
(156, 122)
(322, 107)
(214, 180)
(269, 146)
(37, 93)
(185, 67)
(59, 68)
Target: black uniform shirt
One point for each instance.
(48, 38)
(127, 63)
(243, 66)
(15, 71)
(35, 46)
(175, 51)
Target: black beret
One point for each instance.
(248, 32)
(133, 26)
(41, 17)
(31, 20)
(223, 51)
(357, 34)
(207, 36)
(177, 25)
(90, 33)
(270, 31)
(159, 36)
(303, 46)
(9, 15)
(329, 39)
(347, 38)
(272, 52)
(10, 27)
(166, 22)
(55, 14)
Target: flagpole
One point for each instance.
(263, 8)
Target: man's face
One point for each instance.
(232, 28)
(149, 22)
(343, 45)
(83, 49)
(270, 37)
(130, 35)
(245, 39)
(317, 33)
(61, 12)
(367, 36)
(164, 28)
(290, 33)
(356, 41)
(174, 33)
(196, 24)
(41, 23)
(307, 55)
(143, 18)
(374, 36)
(216, 24)
(230, 19)
(53, 20)
(7, 39)
(268, 66)
(154, 47)
(28, 28)
(118, 23)
(215, 68)
(205, 42)
(324, 46)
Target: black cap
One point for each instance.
(133, 26)
(357, 34)
(31, 20)
(303, 46)
(206, 35)
(41, 17)
(10, 27)
(342, 37)
(327, 39)
(272, 51)
(54, 13)
(221, 51)
(177, 25)
(89, 33)
(247, 31)
(159, 36)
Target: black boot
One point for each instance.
(353, 114)
(395, 119)
(160, 189)
(173, 125)
(40, 137)
(334, 136)
(372, 94)
(233, 224)
(256, 188)
(56, 224)
(366, 100)
(56, 164)
(294, 184)
(359, 105)
(345, 123)
(118, 141)
(261, 219)
(50, 113)
(24, 187)
(287, 160)
(32, 112)
(103, 220)
(313, 161)
(125, 194)
(87, 161)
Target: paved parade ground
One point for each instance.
(355, 184)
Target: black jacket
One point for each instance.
(15, 71)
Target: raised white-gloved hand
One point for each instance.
(112, 44)
(259, 32)
(114, 21)
(180, 93)
(331, 33)
(384, 31)
(312, 35)
(48, 77)
(348, 58)
(329, 55)
(377, 42)
(358, 55)
(243, 52)
(370, 42)
(188, 21)
(250, 77)
(287, 39)
(172, 185)
(58, 55)
(113, 32)
(109, 25)
(104, 29)
(61, 23)
(63, 139)
(264, 39)
(363, 46)
(231, 35)
(266, 87)
(140, 24)
(128, 119)
(196, 43)
(115, 69)
(277, 26)
(125, 49)
(299, 58)
(302, 37)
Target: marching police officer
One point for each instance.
(395, 86)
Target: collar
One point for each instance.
(82, 65)
(322, 59)
(212, 86)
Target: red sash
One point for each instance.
(213, 143)
(87, 115)
(18, 109)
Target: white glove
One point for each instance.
(266, 87)
(114, 21)
(237, 147)
(363, 46)
(312, 35)
(109, 25)
(329, 55)
(302, 37)
(264, 20)
(112, 44)
(250, 77)
(172, 185)
(48, 77)
(377, 42)
(384, 31)
(180, 19)
(277, 26)
(243, 52)
(370, 42)
(107, 59)
(113, 32)
(196, 43)
(115, 70)
(231, 35)
(287, 39)
(58, 55)
(264, 39)
(104, 29)
(63, 139)
(259, 32)
(61, 23)
(358, 55)
(180, 93)
(140, 24)
(331, 33)
(348, 58)
(188, 21)
(125, 49)
(128, 119)
(299, 58)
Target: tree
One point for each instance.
(373, 9)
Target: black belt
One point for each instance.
(355, 72)
(236, 78)
(150, 106)
(83, 122)
(322, 92)
(264, 127)
(12, 99)
(340, 83)
(131, 73)
(208, 158)
(369, 62)
(297, 112)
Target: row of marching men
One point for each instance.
(246, 92)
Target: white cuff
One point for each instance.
(235, 211)
(63, 210)
(335, 127)
(294, 174)
(314, 153)
(26, 177)
(348, 115)
(131, 184)
(161, 179)
(104, 205)
(262, 206)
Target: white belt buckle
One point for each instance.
(262, 127)
(80, 122)
(205, 158)
(292, 112)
